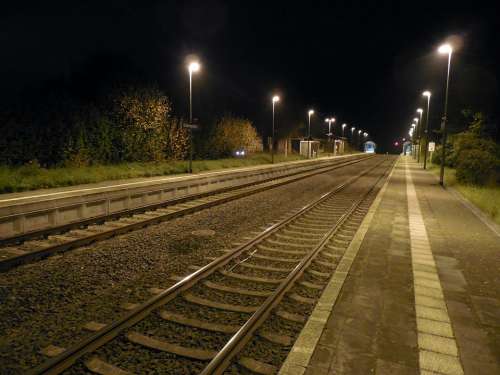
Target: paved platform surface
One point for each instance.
(422, 295)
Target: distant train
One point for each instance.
(370, 147)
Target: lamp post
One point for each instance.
(193, 67)
(352, 135)
(343, 145)
(359, 138)
(329, 121)
(309, 114)
(445, 48)
(428, 95)
(417, 126)
(419, 110)
(276, 99)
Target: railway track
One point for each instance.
(241, 312)
(43, 244)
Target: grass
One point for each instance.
(31, 177)
(486, 198)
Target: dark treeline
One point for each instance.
(59, 125)
(53, 126)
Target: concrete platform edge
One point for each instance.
(300, 355)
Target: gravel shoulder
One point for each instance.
(49, 302)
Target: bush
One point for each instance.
(472, 152)
(475, 166)
(449, 155)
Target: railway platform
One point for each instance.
(417, 292)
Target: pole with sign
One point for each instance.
(432, 148)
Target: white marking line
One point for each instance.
(156, 180)
(438, 351)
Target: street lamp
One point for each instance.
(276, 99)
(414, 139)
(343, 127)
(352, 135)
(415, 127)
(445, 49)
(310, 113)
(419, 135)
(193, 67)
(359, 138)
(427, 94)
(329, 121)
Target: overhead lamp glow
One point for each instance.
(194, 66)
(416, 120)
(311, 112)
(426, 93)
(420, 110)
(445, 48)
(276, 98)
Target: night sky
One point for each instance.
(366, 63)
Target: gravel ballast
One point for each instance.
(48, 302)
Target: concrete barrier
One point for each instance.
(28, 213)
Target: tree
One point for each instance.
(473, 153)
(231, 133)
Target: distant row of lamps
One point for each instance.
(417, 122)
(194, 67)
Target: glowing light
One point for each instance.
(311, 112)
(359, 131)
(327, 120)
(445, 48)
(194, 66)
(396, 144)
(426, 93)
(343, 126)
(352, 129)
(420, 110)
(333, 119)
(276, 98)
(416, 120)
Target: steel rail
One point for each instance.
(37, 254)
(63, 361)
(237, 342)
